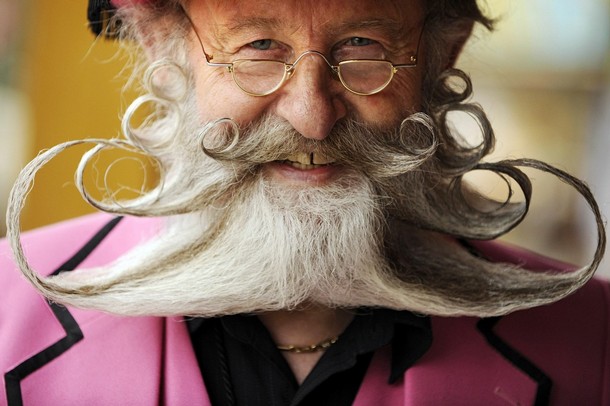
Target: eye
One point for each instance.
(264, 48)
(359, 42)
(262, 44)
(358, 48)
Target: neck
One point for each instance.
(309, 325)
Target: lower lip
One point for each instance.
(285, 172)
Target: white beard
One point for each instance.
(273, 248)
(248, 245)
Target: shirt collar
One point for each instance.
(410, 336)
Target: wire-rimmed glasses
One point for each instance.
(261, 77)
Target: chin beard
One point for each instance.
(271, 247)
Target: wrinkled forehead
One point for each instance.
(317, 8)
(399, 9)
(314, 15)
(298, 12)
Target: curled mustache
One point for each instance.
(377, 153)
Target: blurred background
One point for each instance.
(543, 77)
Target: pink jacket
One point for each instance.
(557, 354)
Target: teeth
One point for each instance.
(313, 158)
(300, 157)
(321, 159)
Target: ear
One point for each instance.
(457, 43)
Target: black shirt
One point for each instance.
(241, 365)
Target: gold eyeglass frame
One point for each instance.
(289, 68)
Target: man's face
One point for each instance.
(312, 100)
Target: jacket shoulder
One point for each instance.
(47, 248)
(569, 341)
(50, 246)
(558, 353)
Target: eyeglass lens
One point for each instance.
(365, 77)
(261, 77)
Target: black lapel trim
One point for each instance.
(543, 394)
(74, 334)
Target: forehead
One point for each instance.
(318, 16)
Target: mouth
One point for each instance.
(308, 160)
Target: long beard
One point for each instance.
(237, 242)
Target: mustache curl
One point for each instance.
(379, 154)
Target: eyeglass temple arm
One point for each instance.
(412, 63)
(413, 59)
(208, 57)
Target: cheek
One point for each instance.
(219, 97)
(389, 107)
(222, 99)
(212, 95)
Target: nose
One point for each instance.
(311, 100)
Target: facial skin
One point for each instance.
(312, 100)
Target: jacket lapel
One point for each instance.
(68, 356)
(460, 368)
(182, 381)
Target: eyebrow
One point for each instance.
(247, 24)
(389, 27)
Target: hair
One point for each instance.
(387, 248)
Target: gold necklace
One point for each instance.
(322, 345)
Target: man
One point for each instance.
(310, 240)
